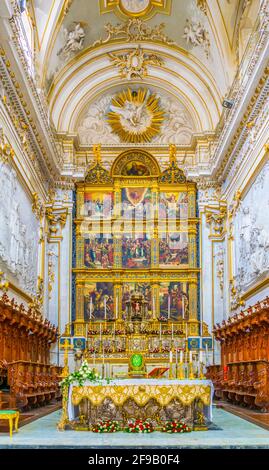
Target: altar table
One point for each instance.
(162, 397)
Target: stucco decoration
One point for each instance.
(19, 232)
(177, 127)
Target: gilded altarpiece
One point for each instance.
(136, 262)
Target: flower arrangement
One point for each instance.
(162, 318)
(154, 350)
(106, 426)
(119, 332)
(175, 426)
(83, 374)
(139, 425)
(92, 350)
(178, 332)
(167, 332)
(120, 349)
(165, 349)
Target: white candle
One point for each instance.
(181, 356)
(206, 353)
(190, 356)
(171, 356)
(103, 354)
(91, 308)
(169, 306)
(201, 356)
(116, 306)
(183, 307)
(105, 307)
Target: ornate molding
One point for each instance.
(37, 206)
(134, 30)
(56, 218)
(134, 64)
(38, 299)
(173, 174)
(51, 273)
(97, 174)
(196, 35)
(216, 217)
(6, 150)
(235, 297)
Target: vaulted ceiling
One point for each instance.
(194, 52)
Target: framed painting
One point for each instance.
(174, 301)
(136, 251)
(98, 301)
(173, 250)
(98, 251)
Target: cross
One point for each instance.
(66, 346)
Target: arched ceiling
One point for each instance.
(190, 61)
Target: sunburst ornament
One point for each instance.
(136, 115)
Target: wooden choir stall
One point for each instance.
(243, 376)
(26, 376)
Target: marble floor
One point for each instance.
(234, 433)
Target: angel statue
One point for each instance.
(74, 40)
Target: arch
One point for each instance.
(135, 162)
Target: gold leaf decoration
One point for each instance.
(136, 115)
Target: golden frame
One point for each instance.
(150, 10)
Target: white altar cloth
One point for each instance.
(207, 409)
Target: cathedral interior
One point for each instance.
(134, 219)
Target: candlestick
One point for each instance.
(183, 307)
(105, 306)
(172, 331)
(201, 356)
(181, 356)
(169, 306)
(153, 305)
(190, 356)
(176, 356)
(160, 331)
(100, 332)
(171, 356)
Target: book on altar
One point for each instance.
(157, 372)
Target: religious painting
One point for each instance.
(131, 287)
(98, 301)
(135, 168)
(98, 251)
(98, 204)
(173, 204)
(136, 203)
(136, 251)
(173, 250)
(174, 301)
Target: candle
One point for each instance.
(100, 332)
(103, 355)
(190, 356)
(183, 307)
(169, 306)
(201, 356)
(90, 308)
(176, 355)
(94, 357)
(206, 353)
(160, 331)
(153, 305)
(172, 331)
(105, 306)
(181, 356)
(171, 356)
(116, 306)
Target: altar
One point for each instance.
(160, 400)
